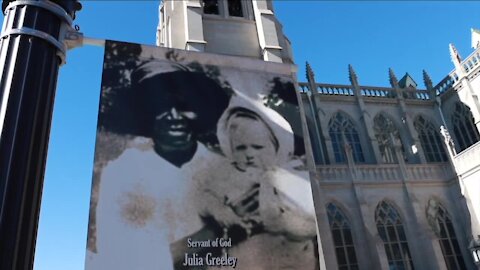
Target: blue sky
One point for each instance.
(372, 36)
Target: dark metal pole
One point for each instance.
(31, 51)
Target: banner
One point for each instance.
(199, 164)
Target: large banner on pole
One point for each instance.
(199, 164)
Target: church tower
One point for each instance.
(244, 28)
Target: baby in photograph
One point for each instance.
(250, 148)
(278, 217)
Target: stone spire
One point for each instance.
(312, 85)
(454, 55)
(427, 81)
(393, 78)
(310, 75)
(352, 75)
(429, 85)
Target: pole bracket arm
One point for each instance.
(73, 39)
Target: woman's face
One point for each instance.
(251, 143)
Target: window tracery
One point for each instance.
(464, 127)
(430, 140)
(384, 129)
(441, 224)
(341, 130)
(342, 238)
(391, 231)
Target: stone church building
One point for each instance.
(396, 178)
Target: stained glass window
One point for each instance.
(390, 228)
(430, 140)
(442, 225)
(342, 238)
(384, 128)
(341, 129)
(464, 127)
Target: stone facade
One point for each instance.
(249, 30)
(408, 182)
(401, 159)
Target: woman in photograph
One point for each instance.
(143, 204)
(280, 219)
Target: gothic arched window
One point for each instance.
(384, 128)
(464, 127)
(341, 129)
(442, 225)
(342, 238)
(390, 229)
(430, 140)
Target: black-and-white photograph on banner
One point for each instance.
(199, 164)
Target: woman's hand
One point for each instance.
(247, 208)
(248, 203)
